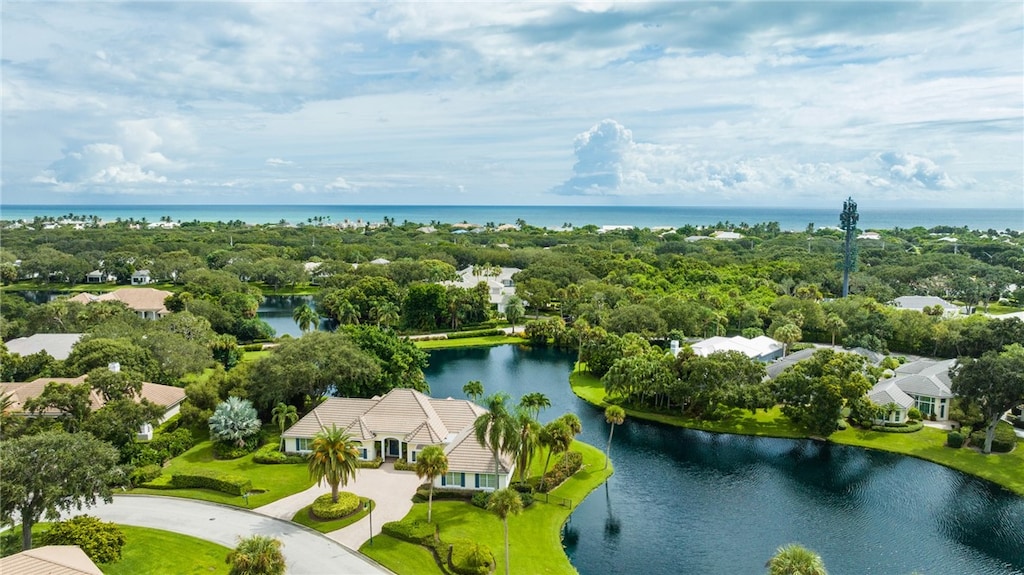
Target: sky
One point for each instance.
(522, 103)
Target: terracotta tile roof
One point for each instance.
(50, 560)
(138, 299)
(403, 411)
(164, 395)
(341, 411)
(465, 454)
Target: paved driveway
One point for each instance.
(305, 551)
(391, 490)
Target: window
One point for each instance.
(303, 444)
(363, 453)
(412, 454)
(486, 481)
(453, 479)
(926, 405)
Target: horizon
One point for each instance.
(765, 104)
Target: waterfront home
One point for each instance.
(99, 277)
(400, 424)
(920, 302)
(887, 394)
(141, 278)
(57, 345)
(500, 285)
(927, 382)
(761, 348)
(147, 302)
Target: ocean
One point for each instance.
(543, 216)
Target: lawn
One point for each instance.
(303, 518)
(1006, 469)
(276, 481)
(534, 536)
(150, 551)
(484, 341)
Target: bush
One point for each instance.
(914, 413)
(230, 450)
(253, 347)
(206, 479)
(1004, 440)
(468, 558)
(898, 427)
(480, 499)
(422, 493)
(101, 541)
(564, 469)
(270, 455)
(477, 333)
(522, 487)
(414, 531)
(145, 474)
(954, 439)
(401, 465)
(370, 464)
(324, 508)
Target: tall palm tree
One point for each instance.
(505, 502)
(788, 334)
(794, 559)
(283, 415)
(527, 441)
(306, 317)
(514, 311)
(574, 423)
(347, 313)
(385, 312)
(496, 429)
(556, 437)
(334, 459)
(431, 463)
(257, 555)
(474, 389)
(834, 324)
(614, 415)
(534, 403)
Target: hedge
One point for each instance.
(899, 428)
(101, 541)
(476, 333)
(206, 479)
(422, 494)
(466, 557)
(1004, 440)
(370, 464)
(564, 469)
(414, 531)
(401, 465)
(145, 474)
(324, 508)
(270, 455)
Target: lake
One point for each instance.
(685, 501)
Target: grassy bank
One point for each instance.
(484, 341)
(534, 536)
(1005, 469)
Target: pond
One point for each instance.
(277, 311)
(685, 501)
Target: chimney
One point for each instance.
(114, 367)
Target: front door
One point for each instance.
(393, 447)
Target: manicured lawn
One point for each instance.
(277, 481)
(534, 535)
(1006, 469)
(485, 341)
(150, 551)
(303, 518)
(998, 309)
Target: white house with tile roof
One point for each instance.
(399, 425)
(887, 393)
(927, 382)
(500, 285)
(761, 348)
(920, 302)
(147, 302)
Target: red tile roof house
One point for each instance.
(400, 424)
(147, 302)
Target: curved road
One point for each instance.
(305, 551)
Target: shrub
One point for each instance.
(370, 464)
(101, 541)
(253, 347)
(1003, 442)
(401, 465)
(898, 427)
(522, 487)
(914, 413)
(468, 558)
(235, 421)
(145, 474)
(564, 469)
(477, 333)
(414, 531)
(480, 499)
(270, 455)
(422, 494)
(526, 498)
(324, 508)
(954, 439)
(206, 479)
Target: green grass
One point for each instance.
(999, 309)
(150, 551)
(534, 535)
(276, 481)
(1005, 469)
(485, 341)
(303, 518)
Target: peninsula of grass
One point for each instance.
(1004, 469)
(305, 517)
(534, 535)
(269, 482)
(483, 341)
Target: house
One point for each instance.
(57, 345)
(500, 285)
(427, 229)
(147, 302)
(920, 302)
(761, 348)
(141, 278)
(927, 382)
(777, 367)
(50, 560)
(99, 277)
(399, 424)
(380, 262)
(723, 235)
(887, 393)
(869, 236)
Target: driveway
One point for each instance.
(305, 551)
(391, 490)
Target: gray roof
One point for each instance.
(58, 345)
(919, 302)
(777, 367)
(886, 391)
(925, 377)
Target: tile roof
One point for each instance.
(50, 560)
(138, 299)
(58, 345)
(886, 391)
(925, 377)
(164, 395)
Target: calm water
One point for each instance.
(684, 501)
(546, 216)
(277, 311)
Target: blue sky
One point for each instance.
(762, 103)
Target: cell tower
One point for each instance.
(848, 223)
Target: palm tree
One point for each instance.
(474, 389)
(794, 559)
(534, 403)
(614, 415)
(431, 463)
(527, 441)
(234, 420)
(505, 502)
(257, 555)
(306, 317)
(557, 437)
(788, 335)
(834, 324)
(334, 459)
(514, 311)
(385, 312)
(347, 313)
(574, 423)
(496, 429)
(283, 415)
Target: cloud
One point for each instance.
(278, 162)
(340, 183)
(297, 187)
(915, 170)
(97, 164)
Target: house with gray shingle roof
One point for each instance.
(887, 393)
(920, 302)
(57, 345)
(928, 382)
(399, 424)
